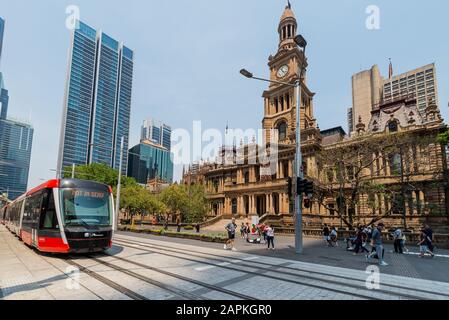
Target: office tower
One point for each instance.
(97, 101)
(157, 132)
(2, 31)
(166, 137)
(149, 161)
(4, 99)
(3, 92)
(16, 140)
(366, 92)
(15, 155)
(420, 84)
(370, 89)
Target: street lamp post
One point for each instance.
(119, 184)
(299, 174)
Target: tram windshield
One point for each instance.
(82, 207)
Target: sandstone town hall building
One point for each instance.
(412, 186)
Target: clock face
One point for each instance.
(282, 72)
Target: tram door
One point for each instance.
(31, 217)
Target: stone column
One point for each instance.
(281, 203)
(422, 200)
(290, 168)
(228, 209)
(387, 166)
(281, 170)
(251, 204)
(415, 203)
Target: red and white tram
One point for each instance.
(63, 216)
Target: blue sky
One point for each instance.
(189, 52)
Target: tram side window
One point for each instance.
(13, 212)
(32, 209)
(48, 219)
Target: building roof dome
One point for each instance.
(288, 13)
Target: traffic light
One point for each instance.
(309, 189)
(301, 186)
(305, 186)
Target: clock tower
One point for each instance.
(280, 101)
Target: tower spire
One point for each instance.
(289, 5)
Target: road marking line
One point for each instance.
(224, 264)
(417, 254)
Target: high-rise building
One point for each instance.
(150, 161)
(4, 99)
(157, 132)
(366, 93)
(15, 155)
(420, 83)
(3, 92)
(370, 90)
(97, 101)
(16, 139)
(2, 31)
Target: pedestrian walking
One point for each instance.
(429, 232)
(242, 230)
(326, 236)
(334, 237)
(377, 244)
(231, 227)
(397, 237)
(360, 241)
(270, 236)
(247, 230)
(403, 241)
(178, 223)
(198, 227)
(424, 244)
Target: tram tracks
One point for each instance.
(351, 283)
(127, 292)
(180, 277)
(178, 293)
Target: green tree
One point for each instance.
(188, 201)
(175, 199)
(443, 138)
(197, 206)
(100, 173)
(155, 206)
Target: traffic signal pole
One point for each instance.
(299, 174)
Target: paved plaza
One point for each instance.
(142, 267)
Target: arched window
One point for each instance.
(393, 126)
(282, 129)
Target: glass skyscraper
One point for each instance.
(2, 31)
(16, 140)
(148, 161)
(97, 103)
(157, 132)
(3, 92)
